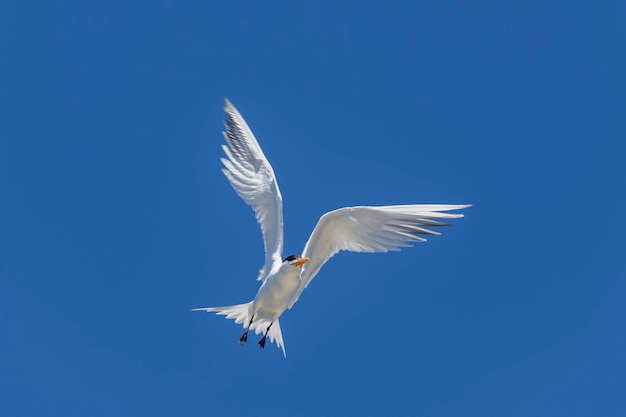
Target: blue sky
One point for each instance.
(116, 220)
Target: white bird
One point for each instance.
(356, 229)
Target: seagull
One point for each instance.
(355, 229)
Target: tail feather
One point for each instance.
(241, 314)
(276, 336)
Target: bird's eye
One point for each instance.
(290, 258)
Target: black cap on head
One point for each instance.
(291, 258)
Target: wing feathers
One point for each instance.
(252, 177)
(370, 229)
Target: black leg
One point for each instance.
(262, 341)
(244, 337)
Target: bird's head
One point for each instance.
(295, 260)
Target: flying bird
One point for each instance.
(355, 229)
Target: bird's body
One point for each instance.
(277, 290)
(357, 229)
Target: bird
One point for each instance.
(355, 229)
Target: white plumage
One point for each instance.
(355, 229)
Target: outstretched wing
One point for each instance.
(369, 229)
(252, 177)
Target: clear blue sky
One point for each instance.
(115, 220)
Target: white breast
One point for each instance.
(278, 289)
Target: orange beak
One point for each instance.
(301, 261)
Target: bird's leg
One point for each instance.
(244, 337)
(262, 341)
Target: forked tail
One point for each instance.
(241, 314)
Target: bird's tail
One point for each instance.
(241, 314)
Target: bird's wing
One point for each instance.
(369, 229)
(252, 177)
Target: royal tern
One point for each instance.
(356, 229)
